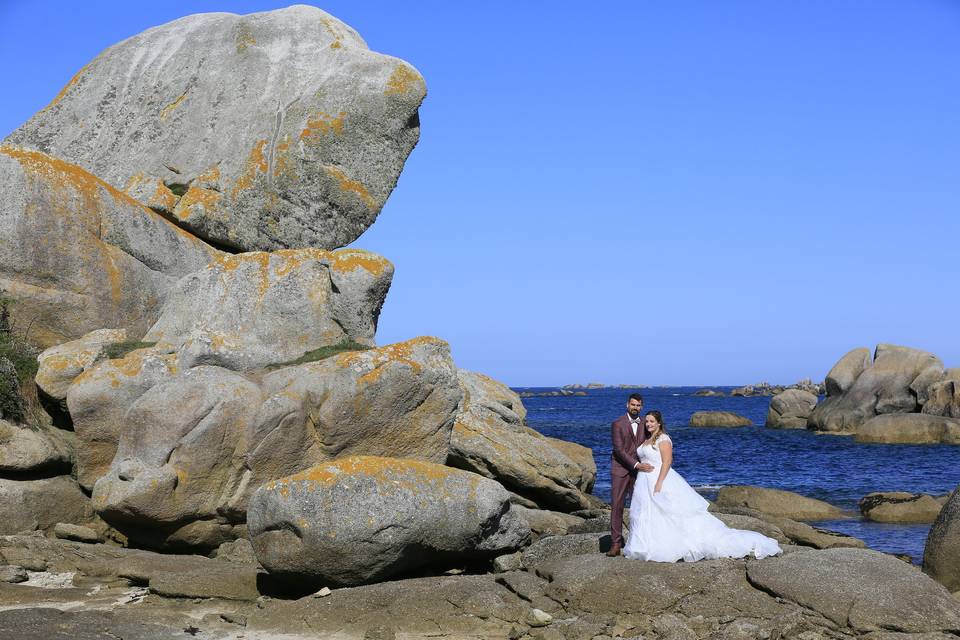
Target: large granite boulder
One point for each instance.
(843, 374)
(718, 419)
(941, 555)
(863, 589)
(895, 382)
(38, 450)
(260, 132)
(250, 310)
(28, 505)
(909, 428)
(363, 519)
(943, 397)
(901, 507)
(776, 502)
(179, 476)
(791, 409)
(490, 438)
(77, 255)
(176, 454)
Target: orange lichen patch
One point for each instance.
(346, 184)
(162, 198)
(67, 87)
(170, 108)
(335, 44)
(196, 196)
(394, 470)
(398, 353)
(281, 153)
(402, 80)
(228, 263)
(244, 37)
(256, 163)
(333, 31)
(351, 259)
(323, 123)
(211, 175)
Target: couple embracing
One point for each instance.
(669, 520)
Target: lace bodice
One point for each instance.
(649, 453)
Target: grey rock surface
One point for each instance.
(79, 533)
(846, 371)
(895, 382)
(491, 439)
(61, 364)
(865, 590)
(77, 255)
(943, 398)
(776, 502)
(363, 519)
(901, 507)
(941, 555)
(718, 419)
(791, 409)
(909, 428)
(554, 547)
(34, 450)
(250, 310)
(28, 505)
(284, 129)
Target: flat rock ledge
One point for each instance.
(567, 590)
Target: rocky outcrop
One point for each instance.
(28, 505)
(909, 428)
(391, 516)
(59, 366)
(490, 438)
(718, 419)
(264, 131)
(247, 311)
(776, 502)
(943, 397)
(184, 450)
(857, 390)
(38, 450)
(843, 586)
(77, 255)
(941, 555)
(797, 533)
(901, 507)
(791, 409)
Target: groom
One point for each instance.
(628, 433)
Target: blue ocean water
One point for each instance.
(831, 468)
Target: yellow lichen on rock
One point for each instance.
(170, 108)
(244, 37)
(402, 80)
(353, 186)
(197, 196)
(256, 163)
(76, 78)
(322, 124)
(351, 259)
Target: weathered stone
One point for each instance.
(61, 364)
(563, 547)
(843, 374)
(179, 476)
(284, 129)
(37, 449)
(798, 533)
(27, 505)
(863, 589)
(79, 533)
(941, 555)
(78, 255)
(236, 551)
(778, 503)
(247, 311)
(753, 524)
(718, 419)
(900, 507)
(550, 523)
(888, 385)
(791, 409)
(909, 428)
(943, 399)
(390, 516)
(489, 438)
(13, 574)
(227, 583)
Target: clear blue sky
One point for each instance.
(646, 192)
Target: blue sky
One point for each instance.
(644, 192)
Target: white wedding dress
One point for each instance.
(674, 524)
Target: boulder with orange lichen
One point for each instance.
(250, 310)
(77, 255)
(265, 131)
(491, 439)
(179, 475)
(364, 519)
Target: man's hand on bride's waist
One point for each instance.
(644, 467)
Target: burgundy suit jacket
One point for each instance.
(625, 446)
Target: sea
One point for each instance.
(832, 468)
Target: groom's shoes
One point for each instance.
(614, 551)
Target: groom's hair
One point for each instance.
(635, 396)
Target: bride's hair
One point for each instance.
(659, 418)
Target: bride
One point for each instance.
(669, 520)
